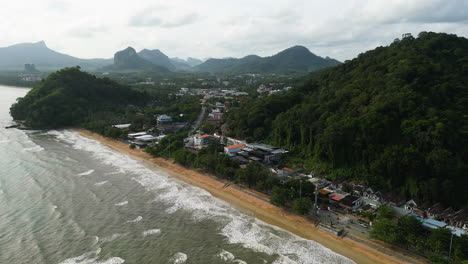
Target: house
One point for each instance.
(202, 140)
(163, 120)
(410, 205)
(231, 150)
(351, 202)
(434, 211)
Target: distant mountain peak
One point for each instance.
(41, 43)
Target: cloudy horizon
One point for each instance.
(338, 28)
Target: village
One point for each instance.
(340, 206)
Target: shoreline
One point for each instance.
(248, 202)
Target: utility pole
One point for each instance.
(300, 188)
(450, 249)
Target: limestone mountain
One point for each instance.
(157, 58)
(128, 59)
(16, 56)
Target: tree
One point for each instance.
(439, 240)
(385, 229)
(410, 230)
(280, 196)
(302, 205)
(385, 212)
(132, 146)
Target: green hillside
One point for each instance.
(395, 117)
(69, 97)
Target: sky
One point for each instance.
(341, 29)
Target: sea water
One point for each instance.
(68, 199)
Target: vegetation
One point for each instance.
(394, 117)
(71, 97)
(408, 232)
(291, 60)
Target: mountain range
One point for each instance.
(294, 59)
(16, 56)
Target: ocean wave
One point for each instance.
(4, 141)
(121, 203)
(33, 149)
(138, 219)
(86, 173)
(237, 227)
(112, 237)
(92, 258)
(151, 232)
(100, 183)
(178, 258)
(226, 255)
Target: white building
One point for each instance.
(231, 150)
(164, 119)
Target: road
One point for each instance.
(198, 121)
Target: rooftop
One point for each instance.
(204, 136)
(235, 146)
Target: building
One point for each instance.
(202, 140)
(122, 126)
(233, 149)
(163, 120)
(351, 202)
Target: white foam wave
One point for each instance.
(239, 261)
(33, 149)
(86, 173)
(112, 237)
(178, 258)
(151, 232)
(138, 219)
(121, 203)
(238, 228)
(100, 183)
(226, 255)
(4, 141)
(92, 258)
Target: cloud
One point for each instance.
(86, 31)
(162, 17)
(208, 28)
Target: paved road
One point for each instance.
(198, 121)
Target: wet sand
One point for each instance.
(240, 198)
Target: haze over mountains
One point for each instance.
(16, 56)
(294, 59)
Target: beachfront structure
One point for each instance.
(164, 120)
(144, 140)
(134, 135)
(233, 149)
(122, 126)
(202, 140)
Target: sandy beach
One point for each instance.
(261, 209)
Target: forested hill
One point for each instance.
(69, 97)
(291, 60)
(395, 117)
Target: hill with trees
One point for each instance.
(394, 117)
(292, 60)
(70, 97)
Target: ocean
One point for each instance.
(68, 199)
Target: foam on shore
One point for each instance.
(237, 227)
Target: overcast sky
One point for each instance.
(340, 29)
